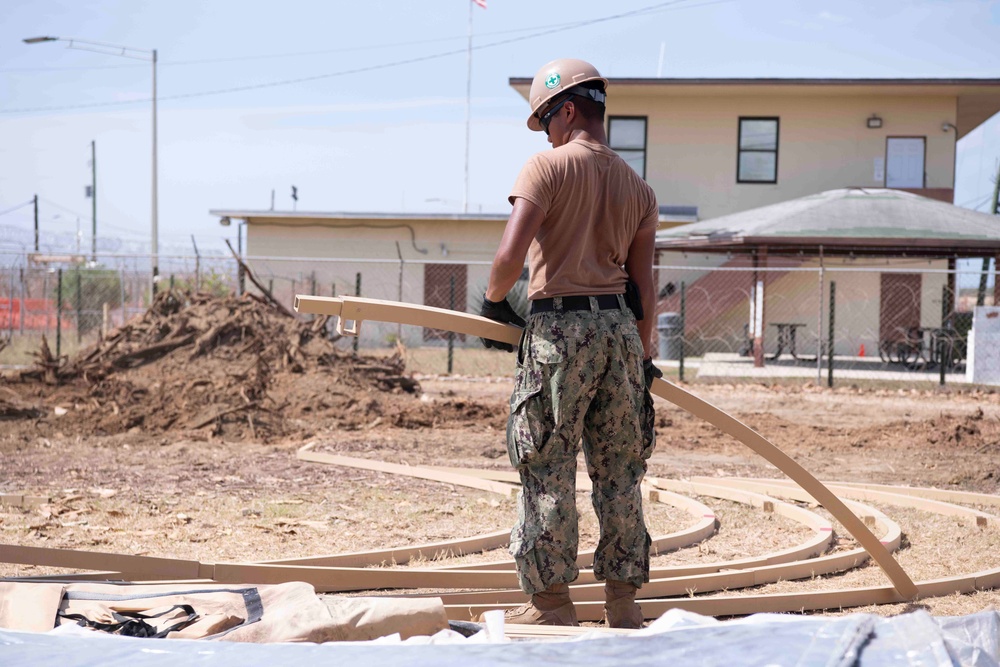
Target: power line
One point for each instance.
(348, 49)
(370, 68)
(63, 208)
(19, 206)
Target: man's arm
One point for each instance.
(523, 224)
(639, 267)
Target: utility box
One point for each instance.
(671, 331)
(982, 366)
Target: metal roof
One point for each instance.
(863, 220)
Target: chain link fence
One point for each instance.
(717, 317)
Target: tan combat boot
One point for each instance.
(620, 609)
(552, 606)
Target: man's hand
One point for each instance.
(650, 371)
(499, 311)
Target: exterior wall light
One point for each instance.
(874, 122)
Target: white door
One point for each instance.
(904, 162)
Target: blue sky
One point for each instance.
(376, 121)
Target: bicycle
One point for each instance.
(905, 350)
(910, 351)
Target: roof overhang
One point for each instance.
(856, 221)
(977, 99)
(295, 218)
(884, 247)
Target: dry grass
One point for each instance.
(22, 348)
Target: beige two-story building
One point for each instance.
(727, 145)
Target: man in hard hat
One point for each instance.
(586, 222)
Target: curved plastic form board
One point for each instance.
(704, 527)
(795, 563)
(741, 605)
(658, 588)
(485, 480)
(402, 555)
(304, 454)
(728, 605)
(783, 489)
(357, 309)
(755, 571)
(964, 514)
(943, 495)
(822, 529)
(128, 566)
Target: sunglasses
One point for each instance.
(547, 118)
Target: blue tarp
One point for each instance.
(916, 639)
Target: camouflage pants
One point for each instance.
(579, 375)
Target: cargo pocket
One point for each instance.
(524, 428)
(532, 414)
(522, 549)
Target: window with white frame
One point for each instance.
(627, 136)
(757, 160)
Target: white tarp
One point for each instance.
(678, 638)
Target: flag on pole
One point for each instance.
(481, 3)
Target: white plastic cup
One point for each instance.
(494, 626)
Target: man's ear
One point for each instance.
(571, 106)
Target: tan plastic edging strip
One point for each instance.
(356, 310)
(419, 472)
(966, 514)
(402, 555)
(756, 571)
(812, 547)
(818, 543)
(483, 480)
(128, 566)
(944, 495)
(727, 605)
(751, 572)
(704, 527)
(590, 608)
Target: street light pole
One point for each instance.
(155, 250)
(138, 54)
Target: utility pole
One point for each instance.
(93, 201)
(996, 191)
(36, 223)
(468, 112)
(995, 206)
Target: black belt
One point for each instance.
(575, 302)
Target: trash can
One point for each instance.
(668, 325)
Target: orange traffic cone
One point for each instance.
(861, 352)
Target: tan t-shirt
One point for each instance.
(593, 203)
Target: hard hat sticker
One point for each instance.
(552, 80)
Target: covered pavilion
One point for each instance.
(849, 222)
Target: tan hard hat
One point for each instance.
(559, 76)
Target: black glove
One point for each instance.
(499, 311)
(650, 371)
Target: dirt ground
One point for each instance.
(190, 453)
